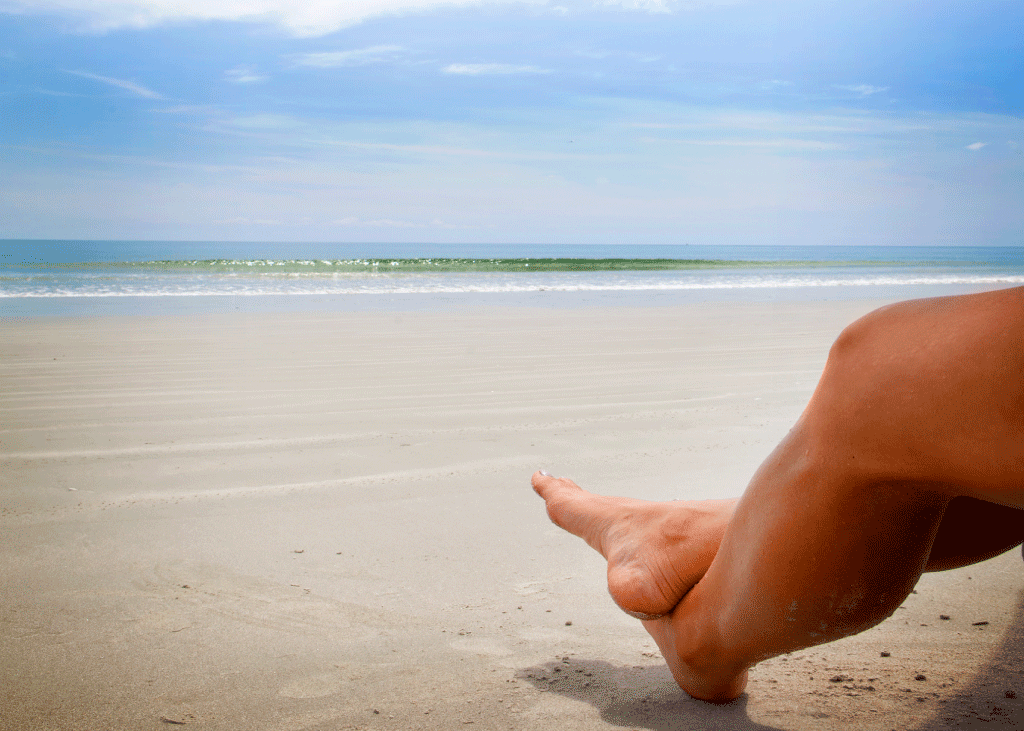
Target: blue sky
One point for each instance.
(628, 121)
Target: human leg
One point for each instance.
(839, 522)
(785, 574)
(807, 558)
(657, 551)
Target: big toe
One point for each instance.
(549, 486)
(569, 505)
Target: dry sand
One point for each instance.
(324, 521)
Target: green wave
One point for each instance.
(445, 265)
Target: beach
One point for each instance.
(323, 520)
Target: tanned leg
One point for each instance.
(657, 551)
(920, 405)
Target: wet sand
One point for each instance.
(324, 521)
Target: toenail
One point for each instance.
(643, 616)
(545, 473)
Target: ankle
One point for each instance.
(703, 664)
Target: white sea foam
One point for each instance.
(234, 285)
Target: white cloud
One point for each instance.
(244, 75)
(131, 86)
(976, 145)
(863, 89)
(356, 57)
(297, 17)
(479, 69)
(300, 18)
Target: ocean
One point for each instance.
(96, 277)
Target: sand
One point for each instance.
(324, 521)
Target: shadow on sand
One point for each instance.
(637, 697)
(646, 697)
(995, 696)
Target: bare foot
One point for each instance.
(656, 551)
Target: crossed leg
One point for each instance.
(908, 458)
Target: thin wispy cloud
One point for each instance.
(130, 86)
(441, 151)
(776, 144)
(302, 19)
(253, 111)
(482, 69)
(244, 75)
(355, 57)
(776, 123)
(307, 19)
(863, 89)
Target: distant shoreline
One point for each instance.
(157, 278)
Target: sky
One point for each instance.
(536, 121)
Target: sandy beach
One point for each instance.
(324, 521)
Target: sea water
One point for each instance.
(93, 277)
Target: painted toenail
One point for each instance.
(545, 473)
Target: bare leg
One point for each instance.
(657, 551)
(837, 525)
(773, 585)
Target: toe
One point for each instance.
(548, 486)
(570, 506)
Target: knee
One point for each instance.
(867, 386)
(866, 341)
(878, 358)
(884, 400)
(856, 362)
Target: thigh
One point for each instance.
(929, 391)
